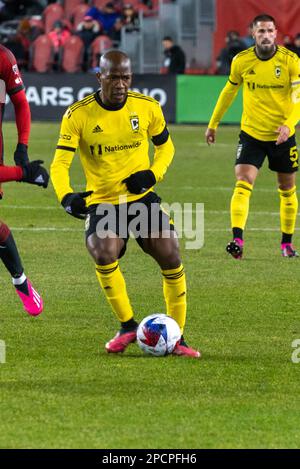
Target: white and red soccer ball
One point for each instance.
(158, 334)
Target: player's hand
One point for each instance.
(210, 136)
(140, 181)
(284, 133)
(74, 204)
(21, 155)
(34, 173)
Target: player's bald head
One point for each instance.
(114, 60)
(114, 77)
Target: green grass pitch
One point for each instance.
(60, 389)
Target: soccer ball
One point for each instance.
(158, 334)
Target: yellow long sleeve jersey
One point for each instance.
(271, 92)
(113, 144)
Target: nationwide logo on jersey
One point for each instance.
(97, 129)
(134, 121)
(277, 71)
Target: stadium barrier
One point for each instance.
(50, 94)
(184, 98)
(196, 97)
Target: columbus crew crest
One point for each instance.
(277, 71)
(134, 121)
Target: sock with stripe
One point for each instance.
(288, 213)
(113, 284)
(174, 287)
(239, 207)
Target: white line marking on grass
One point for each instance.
(54, 229)
(203, 188)
(214, 212)
(31, 207)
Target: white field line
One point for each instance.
(196, 188)
(186, 210)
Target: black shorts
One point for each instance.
(282, 158)
(142, 218)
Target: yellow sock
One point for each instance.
(174, 286)
(114, 287)
(288, 210)
(239, 207)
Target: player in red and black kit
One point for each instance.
(11, 83)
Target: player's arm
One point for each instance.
(10, 173)
(15, 89)
(73, 203)
(32, 173)
(65, 150)
(163, 154)
(225, 100)
(288, 126)
(23, 120)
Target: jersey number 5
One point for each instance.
(294, 156)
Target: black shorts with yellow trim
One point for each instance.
(282, 158)
(144, 218)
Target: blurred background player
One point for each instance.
(271, 96)
(115, 124)
(12, 84)
(234, 45)
(174, 60)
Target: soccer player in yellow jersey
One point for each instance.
(270, 75)
(111, 128)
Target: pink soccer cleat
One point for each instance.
(181, 348)
(288, 250)
(32, 303)
(120, 342)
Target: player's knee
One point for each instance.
(104, 256)
(246, 178)
(287, 186)
(4, 232)
(102, 253)
(171, 257)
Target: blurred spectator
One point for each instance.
(234, 45)
(287, 41)
(16, 47)
(87, 30)
(174, 60)
(248, 40)
(107, 17)
(129, 20)
(20, 44)
(148, 3)
(10, 9)
(295, 47)
(18, 39)
(58, 36)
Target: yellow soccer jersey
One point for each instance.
(113, 144)
(271, 90)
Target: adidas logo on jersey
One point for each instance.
(97, 129)
(252, 72)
